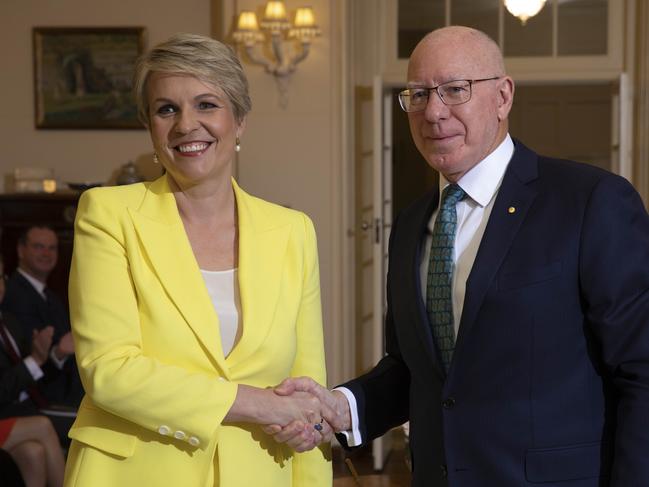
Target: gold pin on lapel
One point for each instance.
(511, 209)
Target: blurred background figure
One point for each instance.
(36, 307)
(30, 439)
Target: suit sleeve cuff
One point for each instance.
(352, 436)
(33, 367)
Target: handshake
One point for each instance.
(310, 414)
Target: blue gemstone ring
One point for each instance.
(318, 426)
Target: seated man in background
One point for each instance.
(36, 307)
(25, 363)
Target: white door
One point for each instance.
(373, 219)
(382, 188)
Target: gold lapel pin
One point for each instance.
(511, 209)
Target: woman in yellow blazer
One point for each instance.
(177, 368)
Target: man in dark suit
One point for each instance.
(22, 362)
(36, 307)
(25, 365)
(517, 331)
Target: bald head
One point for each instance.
(471, 48)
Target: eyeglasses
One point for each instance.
(453, 92)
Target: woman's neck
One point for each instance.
(211, 201)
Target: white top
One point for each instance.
(481, 184)
(223, 288)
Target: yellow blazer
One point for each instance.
(149, 350)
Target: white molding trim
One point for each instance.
(340, 355)
(541, 68)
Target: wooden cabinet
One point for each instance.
(18, 211)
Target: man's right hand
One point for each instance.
(65, 347)
(41, 343)
(336, 415)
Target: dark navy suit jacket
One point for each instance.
(34, 313)
(549, 382)
(15, 378)
(32, 310)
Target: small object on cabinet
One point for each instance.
(82, 186)
(129, 174)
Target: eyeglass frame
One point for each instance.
(436, 90)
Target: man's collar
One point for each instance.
(482, 181)
(38, 285)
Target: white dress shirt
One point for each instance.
(481, 184)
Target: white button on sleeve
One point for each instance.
(193, 441)
(164, 430)
(180, 435)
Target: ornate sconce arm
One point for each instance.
(278, 51)
(256, 59)
(300, 56)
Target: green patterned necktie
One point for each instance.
(439, 292)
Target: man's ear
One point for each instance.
(505, 97)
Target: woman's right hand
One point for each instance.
(298, 434)
(265, 407)
(300, 406)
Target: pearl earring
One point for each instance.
(237, 145)
(155, 158)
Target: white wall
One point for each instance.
(76, 155)
(292, 155)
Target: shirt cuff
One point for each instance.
(33, 367)
(57, 362)
(353, 436)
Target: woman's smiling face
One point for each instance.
(192, 126)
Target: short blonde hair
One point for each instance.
(207, 59)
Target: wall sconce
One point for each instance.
(276, 28)
(524, 9)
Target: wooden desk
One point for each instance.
(18, 211)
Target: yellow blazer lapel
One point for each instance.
(165, 242)
(262, 251)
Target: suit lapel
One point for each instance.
(262, 251)
(515, 193)
(36, 296)
(165, 242)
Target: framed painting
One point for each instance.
(83, 77)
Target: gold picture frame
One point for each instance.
(83, 77)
